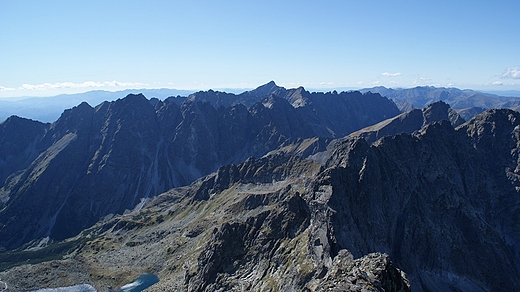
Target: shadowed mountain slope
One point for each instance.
(440, 202)
(63, 177)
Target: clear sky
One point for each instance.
(50, 47)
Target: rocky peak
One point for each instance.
(435, 112)
(19, 143)
(410, 121)
(16, 127)
(134, 97)
(441, 111)
(265, 90)
(134, 101)
(74, 120)
(215, 98)
(156, 103)
(78, 112)
(298, 97)
(490, 122)
(496, 135)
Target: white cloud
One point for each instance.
(49, 89)
(497, 83)
(2, 88)
(422, 81)
(512, 72)
(72, 85)
(387, 74)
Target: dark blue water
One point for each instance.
(144, 281)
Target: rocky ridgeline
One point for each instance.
(60, 178)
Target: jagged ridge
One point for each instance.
(104, 160)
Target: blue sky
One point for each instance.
(51, 47)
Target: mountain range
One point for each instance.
(60, 178)
(273, 189)
(467, 102)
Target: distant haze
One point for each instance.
(49, 109)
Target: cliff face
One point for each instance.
(441, 202)
(60, 178)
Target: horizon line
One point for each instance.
(235, 90)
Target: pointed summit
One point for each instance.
(298, 97)
(264, 90)
(410, 121)
(248, 98)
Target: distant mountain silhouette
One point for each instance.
(49, 109)
(466, 102)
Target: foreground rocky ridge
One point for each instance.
(440, 204)
(253, 231)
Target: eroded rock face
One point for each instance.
(373, 272)
(251, 247)
(439, 202)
